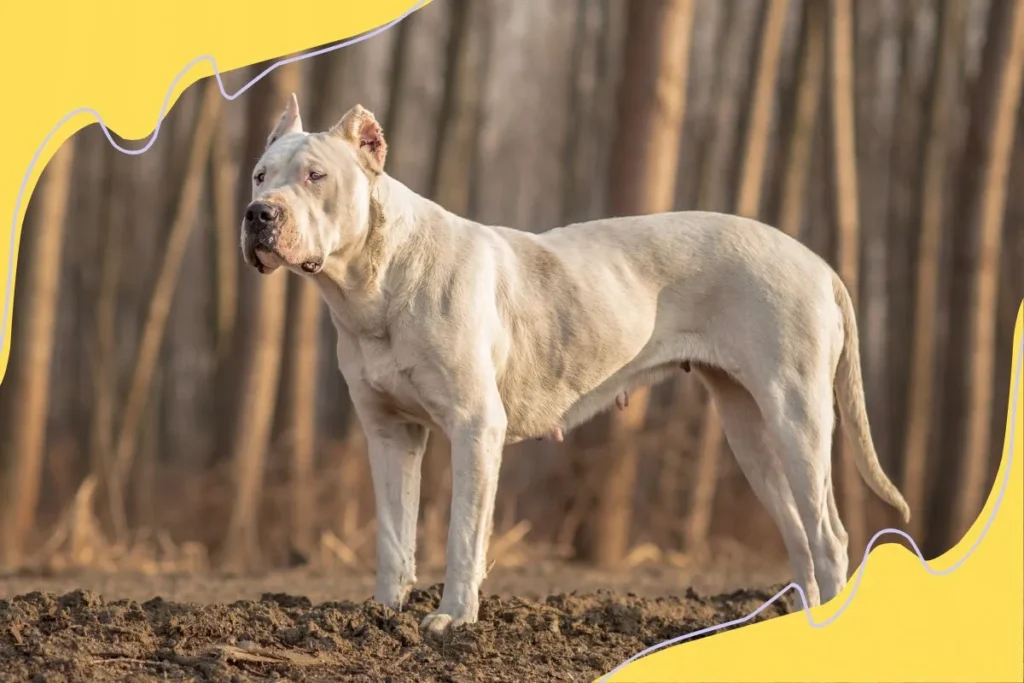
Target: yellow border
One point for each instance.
(905, 624)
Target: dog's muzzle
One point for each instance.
(261, 227)
(261, 231)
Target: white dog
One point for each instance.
(495, 335)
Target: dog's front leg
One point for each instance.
(396, 454)
(476, 459)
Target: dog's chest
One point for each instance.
(390, 375)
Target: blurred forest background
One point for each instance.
(166, 407)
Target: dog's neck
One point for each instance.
(359, 281)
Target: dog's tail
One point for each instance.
(849, 388)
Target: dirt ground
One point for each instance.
(548, 622)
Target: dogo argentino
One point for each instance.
(496, 335)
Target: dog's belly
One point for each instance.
(525, 423)
(535, 411)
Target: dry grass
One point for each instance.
(78, 542)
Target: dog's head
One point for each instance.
(311, 191)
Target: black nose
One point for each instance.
(261, 216)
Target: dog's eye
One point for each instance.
(316, 175)
(259, 177)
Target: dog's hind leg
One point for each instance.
(838, 532)
(747, 434)
(396, 454)
(799, 415)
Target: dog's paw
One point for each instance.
(394, 595)
(438, 623)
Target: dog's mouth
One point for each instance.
(267, 260)
(264, 260)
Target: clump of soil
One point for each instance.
(80, 637)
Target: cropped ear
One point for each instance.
(360, 128)
(290, 121)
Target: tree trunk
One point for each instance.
(848, 224)
(980, 357)
(902, 209)
(187, 349)
(459, 119)
(645, 155)
(160, 302)
(808, 103)
(259, 392)
(652, 106)
(224, 172)
(877, 50)
(143, 476)
(933, 207)
(748, 203)
(517, 174)
(584, 106)
(262, 360)
(417, 94)
(305, 312)
(984, 98)
(101, 427)
(353, 479)
(328, 89)
(41, 265)
(711, 67)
